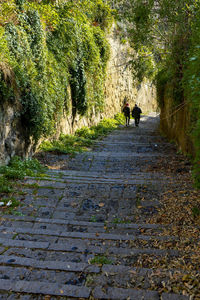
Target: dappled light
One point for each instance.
(100, 149)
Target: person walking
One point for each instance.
(136, 114)
(127, 112)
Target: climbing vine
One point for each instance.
(168, 53)
(191, 81)
(46, 47)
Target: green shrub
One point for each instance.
(161, 80)
(18, 168)
(119, 117)
(83, 137)
(68, 144)
(5, 185)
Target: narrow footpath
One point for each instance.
(90, 229)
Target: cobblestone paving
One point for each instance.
(81, 230)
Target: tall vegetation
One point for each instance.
(47, 46)
(166, 37)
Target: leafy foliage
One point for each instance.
(44, 48)
(101, 259)
(83, 137)
(5, 185)
(66, 144)
(168, 52)
(18, 169)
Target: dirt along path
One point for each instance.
(117, 222)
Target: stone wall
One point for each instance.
(13, 139)
(175, 123)
(119, 83)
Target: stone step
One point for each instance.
(125, 165)
(83, 235)
(28, 219)
(98, 175)
(130, 148)
(134, 138)
(120, 155)
(12, 260)
(121, 142)
(139, 278)
(75, 243)
(145, 178)
(6, 242)
(46, 255)
(13, 268)
(81, 251)
(113, 293)
(118, 226)
(66, 278)
(26, 222)
(45, 183)
(16, 267)
(85, 246)
(44, 288)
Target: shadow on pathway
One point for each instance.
(95, 228)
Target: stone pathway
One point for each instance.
(82, 231)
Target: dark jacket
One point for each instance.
(136, 112)
(126, 111)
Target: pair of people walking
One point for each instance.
(135, 114)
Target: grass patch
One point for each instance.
(83, 138)
(101, 260)
(93, 219)
(17, 213)
(68, 144)
(195, 212)
(9, 204)
(138, 202)
(21, 193)
(5, 185)
(18, 168)
(31, 185)
(120, 221)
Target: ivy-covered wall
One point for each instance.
(178, 90)
(118, 84)
(175, 122)
(47, 49)
(62, 66)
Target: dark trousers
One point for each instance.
(127, 120)
(137, 120)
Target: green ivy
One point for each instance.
(169, 53)
(78, 86)
(48, 47)
(83, 138)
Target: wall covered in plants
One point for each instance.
(165, 35)
(61, 67)
(178, 86)
(48, 49)
(118, 84)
